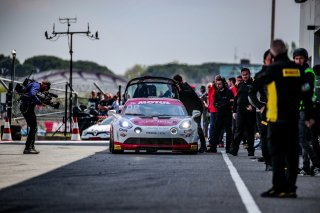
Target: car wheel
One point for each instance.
(111, 147)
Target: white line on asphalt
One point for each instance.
(244, 193)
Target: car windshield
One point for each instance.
(107, 121)
(144, 87)
(152, 110)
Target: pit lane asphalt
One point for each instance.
(82, 176)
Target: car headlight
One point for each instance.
(186, 124)
(84, 132)
(125, 124)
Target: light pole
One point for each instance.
(68, 32)
(10, 90)
(273, 14)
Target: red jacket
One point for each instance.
(211, 91)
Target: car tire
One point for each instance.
(111, 147)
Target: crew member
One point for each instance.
(191, 101)
(286, 86)
(29, 100)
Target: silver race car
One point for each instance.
(99, 131)
(153, 123)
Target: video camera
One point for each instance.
(46, 98)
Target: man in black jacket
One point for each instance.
(191, 101)
(223, 101)
(286, 87)
(245, 115)
(261, 105)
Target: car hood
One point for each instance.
(155, 121)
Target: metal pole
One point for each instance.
(273, 18)
(10, 91)
(65, 118)
(70, 82)
(119, 95)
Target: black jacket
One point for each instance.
(189, 98)
(241, 100)
(260, 89)
(286, 84)
(223, 100)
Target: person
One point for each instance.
(286, 86)
(93, 101)
(211, 108)
(223, 101)
(261, 91)
(205, 115)
(29, 99)
(245, 115)
(300, 56)
(167, 93)
(191, 101)
(316, 127)
(115, 103)
(238, 80)
(232, 85)
(105, 104)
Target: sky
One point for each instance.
(147, 32)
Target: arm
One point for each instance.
(34, 89)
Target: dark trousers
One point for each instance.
(212, 121)
(200, 132)
(31, 120)
(223, 123)
(315, 129)
(245, 123)
(263, 130)
(305, 137)
(284, 149)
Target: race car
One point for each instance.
(154, 124)
(99, 131)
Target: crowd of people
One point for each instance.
(280, 103)
(103, 102)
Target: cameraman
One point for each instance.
(29, 99)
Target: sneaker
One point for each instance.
(30, 151)
(275, 194)
(316, 171)
(268, 168)
(34, 149)
(212, 150)
(303, 172)
(202, 150)
(232, 152)
(270, 193)
(290, 195)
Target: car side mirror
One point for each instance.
(195, 113)
(112, 112)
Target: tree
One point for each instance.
(44, 63)
(6, 65)
(136, 71)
